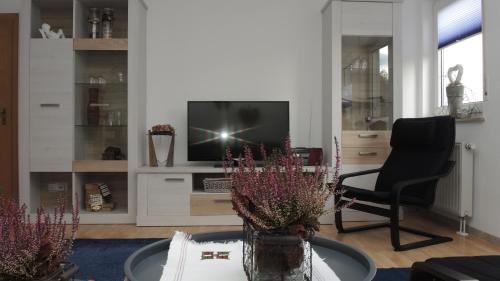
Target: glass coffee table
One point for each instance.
(349, 263)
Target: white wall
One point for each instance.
(11, 6)
(486, 135)
(417, 53)
(235, 50)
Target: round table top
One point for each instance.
(349, 263)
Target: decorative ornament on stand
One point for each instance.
(455, 91)
(156, 138)
(47, 33)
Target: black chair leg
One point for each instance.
(395, 234)
(395, 229)
(341, 229)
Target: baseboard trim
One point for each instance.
(456, 223)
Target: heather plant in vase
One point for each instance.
(280, 204)
(34, 249)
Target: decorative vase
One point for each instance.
(276, 256)
(455, 95)
(153, 157)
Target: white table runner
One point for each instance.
(184, 262)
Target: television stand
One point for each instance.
(175, 196)
(220, 165)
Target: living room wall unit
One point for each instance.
(362, 84)
(84, 98)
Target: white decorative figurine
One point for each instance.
(49, 34)
(455, 90)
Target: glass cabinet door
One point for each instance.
(367, 83)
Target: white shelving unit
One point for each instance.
(362, 20)
(65, 151)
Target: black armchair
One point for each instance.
(421, 149)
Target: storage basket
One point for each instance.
(217, 185)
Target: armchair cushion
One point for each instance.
(413, 133)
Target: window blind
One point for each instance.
(459, 20)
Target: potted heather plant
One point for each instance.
(35, 250)
(280, 204)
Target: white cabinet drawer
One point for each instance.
(168, 194)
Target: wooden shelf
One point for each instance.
(100, 166)
(88, 44)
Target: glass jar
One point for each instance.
(275, 256)
(107, 23)
(94, 19)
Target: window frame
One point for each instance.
(440, 95)
(442, 72)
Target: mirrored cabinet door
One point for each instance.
(367, 83)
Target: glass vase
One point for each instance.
(275, 257)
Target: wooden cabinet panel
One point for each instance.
(364, 155)
(168, 195)
(366, 138)
(51, 105)
(51, 66)
(211, 204)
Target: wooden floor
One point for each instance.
(376, 243)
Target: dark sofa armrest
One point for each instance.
(428, 271)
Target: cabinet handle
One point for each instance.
(367, 153)
(174, 179)
(50, 105)
(368, 136)
(99, 105)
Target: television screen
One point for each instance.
(216, 125)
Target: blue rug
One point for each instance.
(103, 260)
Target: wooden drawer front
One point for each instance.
(376, 155)
(207, 204)
(168, 195)
(366, 139)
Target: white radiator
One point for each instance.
(454, 194)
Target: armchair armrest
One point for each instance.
(356, 174)
(431, 271)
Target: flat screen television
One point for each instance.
(215, 125)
